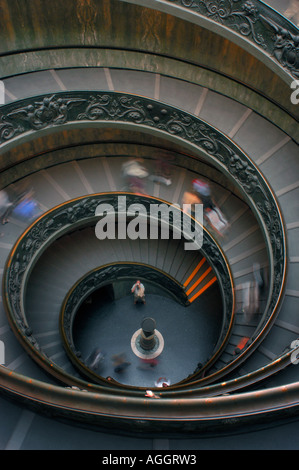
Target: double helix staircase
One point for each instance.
(84, 165)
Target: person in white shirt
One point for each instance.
(138, 290)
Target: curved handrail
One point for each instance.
(84, 108)
(141, 414)
(81, 212)
(238, 165)
(263, 31)
(266, 30)
(118, 270)
(52, 111)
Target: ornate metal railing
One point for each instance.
(52, 112)
(81, 212)
(261, 27)
(111, 273)
(98, 108)
(256, 22)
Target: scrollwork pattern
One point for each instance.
(254, 20)
(51, 110)
(105, 107)
(8, 130)
(82, 210)
(111, 106)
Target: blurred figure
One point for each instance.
(134, 174)
(25, 207)
(162, 171)
(246, 299)
(162, 382)
(217, 221)
(251, 293)
(5, 206)
(212, 212)
(203, 190)
(241, 345)
(190, 198)
(138, 290)
(258, 276)
(119, 362)
(148, 364)
(96, 359)
(150, 394)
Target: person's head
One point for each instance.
(138, 282)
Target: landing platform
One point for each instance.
(189, 333)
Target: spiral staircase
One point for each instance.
(89, 85)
